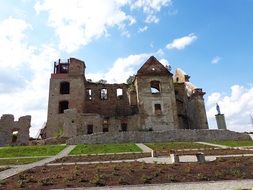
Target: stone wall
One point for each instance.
(8, 126)
(158, 136)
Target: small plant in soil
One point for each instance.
(122, 181)
(21, 183)
(146, 179)
(84, 180)
(202, 177)
(22, 177)
(46, 181)
(172, 178)
(98, 181)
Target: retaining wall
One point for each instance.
(158, 136)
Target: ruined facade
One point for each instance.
(14, 132)
(153, 99)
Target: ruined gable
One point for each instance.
(153, 67)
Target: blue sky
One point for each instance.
(210, 40)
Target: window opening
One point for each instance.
(123, 126)
(89, 129)
(104, 94)
(88, 94)
(119, 93)
(158, 109)
(155, 87)
(105, 128)
(106, 125)
(64, 88)
(63, 105)
(14, 136)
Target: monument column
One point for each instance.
(220, 119)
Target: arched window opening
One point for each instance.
(64, 88)
(104, 94)
(119, 93)
(63, 105)
(155, 87)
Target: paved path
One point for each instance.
(220, 185)
(251, 136)
(144, 148)
(15, 170)
(211, 144)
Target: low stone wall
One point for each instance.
(158, 136)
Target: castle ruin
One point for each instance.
(153, 100)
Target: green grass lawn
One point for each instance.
(176, 145)
(20, 151)
(234, 143)
(19, 161)
(104, 148)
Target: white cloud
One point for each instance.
(150, 6)
(151, 19)
(143, 29)
(78, 22)
(237, 108)
(121, 69)
(216, 60)
(164, 62)
(181, 43)
(24, 86)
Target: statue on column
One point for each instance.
(218, 108)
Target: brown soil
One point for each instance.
(108, 157)
(206, 152)
(48, 177)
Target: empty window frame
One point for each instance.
(63, 105)
(155, 87)
(105, 124)
(89, 129)
(103, 94)
(158, 109)
(105, 128)
(88, 94)
(119, 93)
(123, 126)
(14, 136)
(64, 88)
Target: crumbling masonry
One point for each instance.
(153, 99)
(14, 132)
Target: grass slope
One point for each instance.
(19, 161)
(20, 151)
(234, 143)
(175, 146)
(104, 148)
